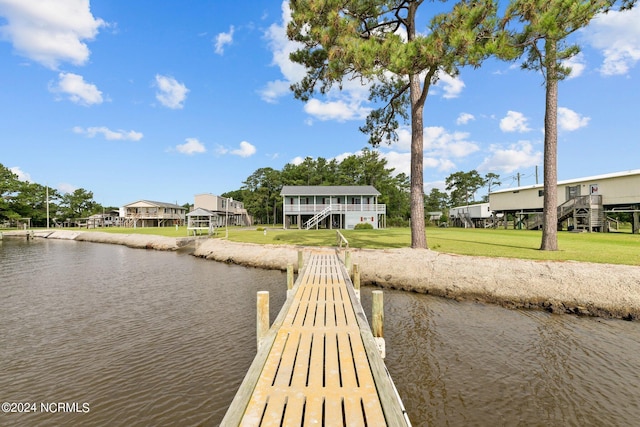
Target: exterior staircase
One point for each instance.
(585, 212)
(317, 218)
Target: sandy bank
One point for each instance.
(561, 287)
(139, 241)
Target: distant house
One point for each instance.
(331, 206)
(106, 219)
(471, 216)
(147, 213)
(220, 208)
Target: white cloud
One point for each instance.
(570, 120)
(335, 110)
(464, 118)
(514, 122)
(400, 162)
(171, 93)
(274, 90)
(22, 175)
(440, 143)
(222, 40)
(191, 146)
(516, 156)
(245, 150)
(297, 160)
(617, 36)
(66, 188)
(577, 63)
(50, 32)
(452, 86)
(76, 89)
(108, 134)
(281, 47)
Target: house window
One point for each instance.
(540, 193)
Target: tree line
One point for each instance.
(260, 192)
(22, 199)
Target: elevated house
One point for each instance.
(331, 206)
(211, 211)
(471, 216)
(147, 213)
(105, 219)
(583, 203)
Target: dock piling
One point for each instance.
(377, 321)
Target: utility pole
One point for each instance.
(47, 187)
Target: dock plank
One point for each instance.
(320, 366)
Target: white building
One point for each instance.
(583, 203)
(331, 206)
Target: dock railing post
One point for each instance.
(347, 261)
(377, 321)
(356, 280)
(262, 318)
(300, 260)
(289, 279)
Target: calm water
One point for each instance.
(158, 338)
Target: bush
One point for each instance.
(363, 226)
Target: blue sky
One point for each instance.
(162, 100)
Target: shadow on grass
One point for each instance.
(492, 244)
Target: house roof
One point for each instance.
(573, 181)
(329, 190)
(202, 212)
(147, 203)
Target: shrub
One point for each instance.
(363, 226)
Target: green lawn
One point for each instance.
(613, 248)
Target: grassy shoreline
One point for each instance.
(607, 248)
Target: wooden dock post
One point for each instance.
(356, 279)
(347, 261)
(262, 323)
(289, 279)
(377, 321)
(300, 260)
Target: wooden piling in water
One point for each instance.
(377, 321)
(300, 260)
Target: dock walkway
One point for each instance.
(319, 365)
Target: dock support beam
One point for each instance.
(377, 321)
(262, 323)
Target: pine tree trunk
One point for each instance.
(418, 236)
(550, 201)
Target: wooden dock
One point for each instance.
(319, 364)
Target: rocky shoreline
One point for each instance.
(589, 289)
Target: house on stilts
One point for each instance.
(331, 206)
